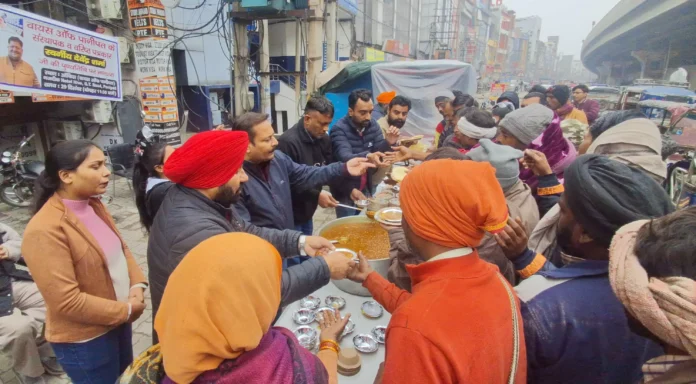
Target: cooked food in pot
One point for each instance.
(369, 238)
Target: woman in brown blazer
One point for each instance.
(92, 285)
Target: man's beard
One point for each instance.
(363, 123)
(396, 123)
(565, 242)
(226, 196)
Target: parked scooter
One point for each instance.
(19, 176)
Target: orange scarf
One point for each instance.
(218, 304)
(453, 202)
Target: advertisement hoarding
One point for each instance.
(45, 56)
(154, 68)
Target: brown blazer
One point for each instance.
(70, 269)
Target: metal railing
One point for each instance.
(279, 73)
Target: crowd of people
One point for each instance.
(524, 255)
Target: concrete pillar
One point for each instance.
(642, 57)
(314, 45)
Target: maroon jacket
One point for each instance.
(591, 109)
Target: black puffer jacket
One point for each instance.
(347, 144)
(10, 239)
(186, 218)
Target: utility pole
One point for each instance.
(265, 69)
(298, 65)
(394, 21)
(241, 67)
(332, 12)
(314, 45)
(418, 28)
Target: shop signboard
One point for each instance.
(6, 97)
(396, 47)
(497, 89)
(45, 56)
(41, 98)
(154, 68)
(372, 54)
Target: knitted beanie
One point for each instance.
(561, 93)
(503, 158)
(528, 123)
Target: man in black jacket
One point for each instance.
(308, 143)
(358, 135)
(208, 172)
(22, 314)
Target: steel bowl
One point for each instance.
(365, 343)
(372, 309)
(380, 333)
(303, 316)
(335, 301)
(381, 266)
(307, 336)
(319, 313)
(350, 327)
(310, 302)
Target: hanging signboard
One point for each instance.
(154, 68)
(41, 98)
(6, 97)
(44, 55)
(372, 54)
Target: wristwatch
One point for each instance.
(301, 245)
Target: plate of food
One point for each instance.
(408, 141)
(398, 173)
(389, 216)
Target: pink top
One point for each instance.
(109, 242)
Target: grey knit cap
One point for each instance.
(528, 123)
(504, 159)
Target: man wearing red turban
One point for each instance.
(208, 174)
(462, 323)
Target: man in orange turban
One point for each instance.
(462, 322)
(383, 100)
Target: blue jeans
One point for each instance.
(97, 361)
(306, 228)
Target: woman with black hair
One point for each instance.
(149, 183)
(90, 281)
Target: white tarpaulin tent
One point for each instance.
(420, 81)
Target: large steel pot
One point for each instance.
(381, 265)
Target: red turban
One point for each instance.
(386, 97)
(452, 202)
(208, 159)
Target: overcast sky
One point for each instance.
(569, 19)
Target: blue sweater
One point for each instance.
(576, 329)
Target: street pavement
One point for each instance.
(123, 209)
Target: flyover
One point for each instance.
(643, 39)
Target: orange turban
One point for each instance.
(208, 159)
(453, 202)
(386, 97)
(219, 303)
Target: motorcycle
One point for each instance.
(19, 176)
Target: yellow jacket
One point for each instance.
(576, 114)
(22, 74)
